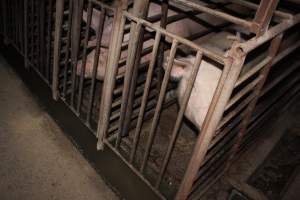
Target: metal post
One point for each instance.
(273, 49)
(230, 74)
(140, 9)
(111, 72)
(57, 45)
(264, 14)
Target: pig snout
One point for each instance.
(203, 90)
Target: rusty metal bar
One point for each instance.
(264, 14)
(176, 129)
(49, 41)
(163, 24)
(273, 49)
(140, 10)
(243, 92)
(84, 57)
(159, 104)
(25, 34)
(134, 38)
(222, 94)
(254, 6)
(247, 24)
(67, 56)
(57, 47)
(268, 35)
(75, 44)
(253, 71)
(111, 72)
(212, 55)
(95, 63)
(145, 97)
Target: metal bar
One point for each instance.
(95, 63)
(57, 46)
(49, 40)
(212, 55)
(75, 44)
(84, 57)
(111, 72)
(243, 92)
(25, 34)
(133, 45)
(140, 10)
(184, 104)
(270, 34)
(145, 97)
(222, 94)
(254, 6)
(160, 59)
(253, 71)
(264, 14)
(273, 49)
(247, 24)
(159, 104)
(67, 57)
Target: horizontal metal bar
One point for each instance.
(253, 71)
(255, 6)
(269, 34)
(247, 24)
(244, 91)
(216, 57)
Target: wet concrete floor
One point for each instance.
(37, 161)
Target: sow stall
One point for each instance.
(112, 64)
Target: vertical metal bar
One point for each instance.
(132, 49)
(145, 96)
(273, 49)
(160, 59)
(159, 105)
(264, 13)
(84, 57)
(231, 71)
(75, 44)
(59, 11)
(49, 40)
(111, 72)
(95, 63)
(176, 128)
(25, 34)
(140, 9)
(41, 34)
(67, 59)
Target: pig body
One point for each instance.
(203, 90)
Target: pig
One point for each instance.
(203, 89)
(183, 28)
(207, 77)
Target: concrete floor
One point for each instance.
(37, 161)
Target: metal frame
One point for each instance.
(222, 100)
(230, 118)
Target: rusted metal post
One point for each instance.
(57, 45)
(140, 9)
(273, 49)
(75, 42)
(160, 57)
(230, 74)
(264, 14)
(111, 72)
